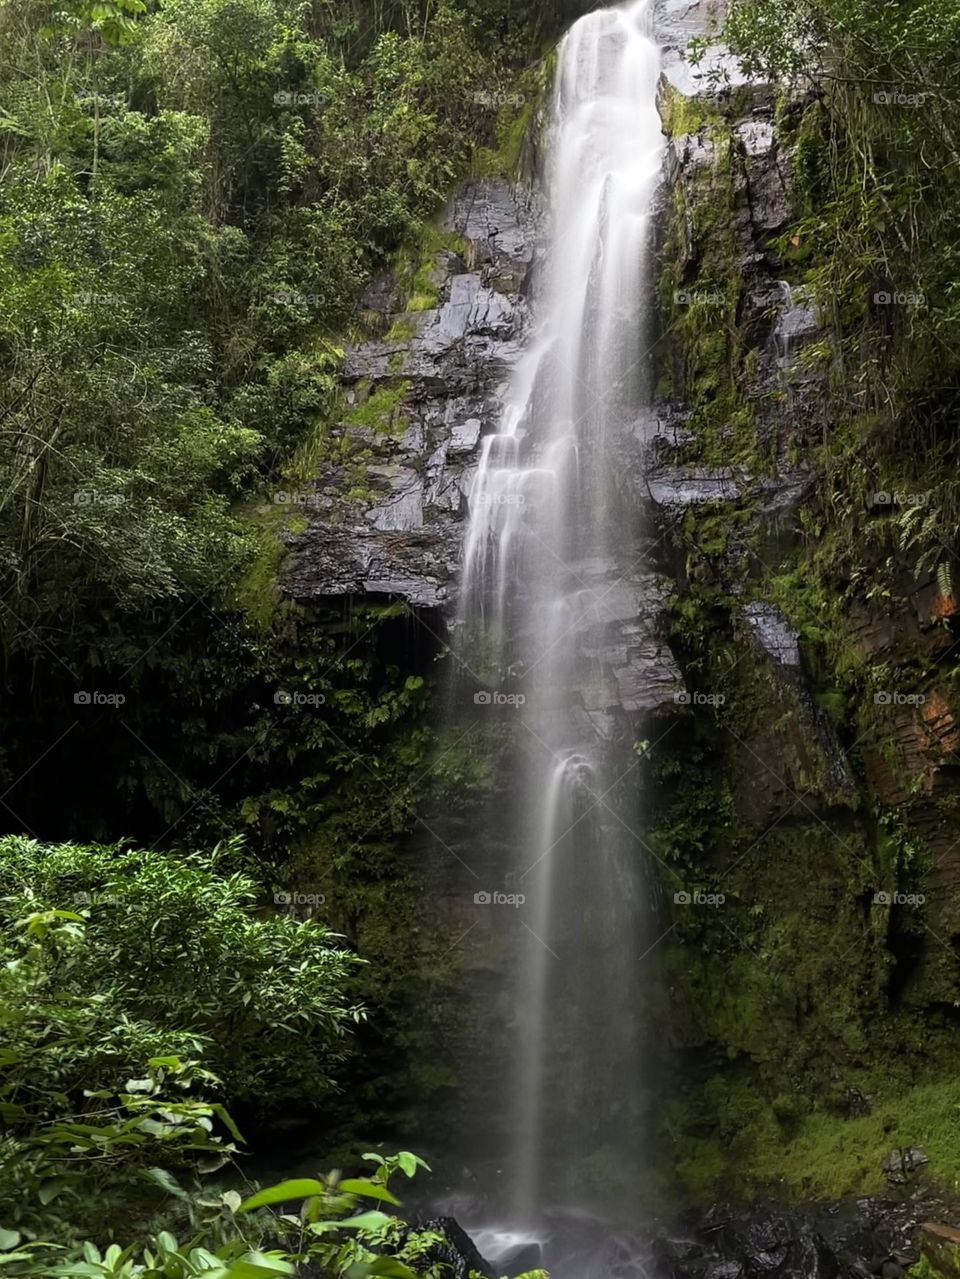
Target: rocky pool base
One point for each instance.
(883, 1236)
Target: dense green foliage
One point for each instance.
(137, 991)
(192, 196)
(334, 1232)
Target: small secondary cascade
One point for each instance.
(548, 545)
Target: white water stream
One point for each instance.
(544, 553)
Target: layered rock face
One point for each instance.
(821, 729)
(416, 406)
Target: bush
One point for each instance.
(113, 956)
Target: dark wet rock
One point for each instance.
(777, 323)
(459, 1256)
(688, 153)
(773, 632)
(852, 1239)
(774, 501)
(677, 22)
(387, 517)
(627, 671)
(796, 326)
(940, 1248)
(500, 225)
(382, 294)
(766, 172)
(672, 489)
(810, 738)
(902, 1164)
(519, 1260)
(393, 525)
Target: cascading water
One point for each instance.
(547, 565)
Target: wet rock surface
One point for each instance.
(778, 322)
(680, 20)
(852, 1239)
(459, 1258)
(387, 513)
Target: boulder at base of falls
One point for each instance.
(458, 1257)
(849, 1239)
(520, 1260)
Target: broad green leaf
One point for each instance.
(8, 1239)
(409, 1163)
(365, 1221)
(370, 1189)
(299, 1188)
(166, 1181)
(390, 1267)
(224, 1116)
(386, 1266)
(50, 1189)
(256, 1264)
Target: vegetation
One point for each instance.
(816, 1022)
(193, 195)
(141, 994)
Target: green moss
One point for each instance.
(769, 1147)
(415, 267)
(682, 113)
(513, 126)
(379, 409)
(256, 593)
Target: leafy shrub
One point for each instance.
(114, 956)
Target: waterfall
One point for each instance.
(548, 550)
